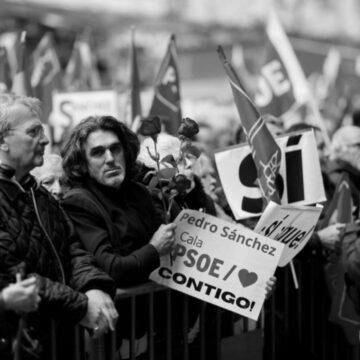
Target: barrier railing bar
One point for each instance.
(312, 306)
(53, 341)
(185, 327)
(151, 332)
(77, 343)
(218, 333)
(113, 345)
(202, 331)
(288, 285)
(324, 334)
(299, 302)
(133, 327)
(273, 327)
(100, 347)
(168, 325)
(246, 323)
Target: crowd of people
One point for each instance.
(76, 226)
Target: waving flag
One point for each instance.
(283, 86)
(135, 101)
(81, 72)
(5, 78)
(342, 309)
(265, 152)
(282, 83)
(166, 102)
(46, 75)
(21, 81)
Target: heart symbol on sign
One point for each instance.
(247, 278)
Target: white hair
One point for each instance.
(51, 161)
(10, 110)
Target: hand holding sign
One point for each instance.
(163, 238)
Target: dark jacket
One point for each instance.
(116, 227)
(58, 260)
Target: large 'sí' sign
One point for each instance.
(299, 181)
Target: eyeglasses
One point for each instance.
(34, 132)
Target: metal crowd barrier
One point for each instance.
(208, 340)
(294, 325)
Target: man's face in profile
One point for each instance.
(25, 140)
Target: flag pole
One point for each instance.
(294, 276)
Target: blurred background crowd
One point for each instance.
(315, 28)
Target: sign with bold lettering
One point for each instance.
(299, 180)
(219, 262)
(70, 108)
(291, 225)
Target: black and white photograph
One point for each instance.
(179, 180)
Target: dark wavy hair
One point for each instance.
(73, 153)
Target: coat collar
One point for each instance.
(13, 188)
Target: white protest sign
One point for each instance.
(70, 108)
(290, 225)
(219, 262)
(299, 181)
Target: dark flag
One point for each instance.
(5, 77)
(46, 75)
(265, 151)
(342, 311)
(81, 72)
(21, 81)
(166, 102)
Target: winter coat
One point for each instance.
(116, 227)
(48, 249)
